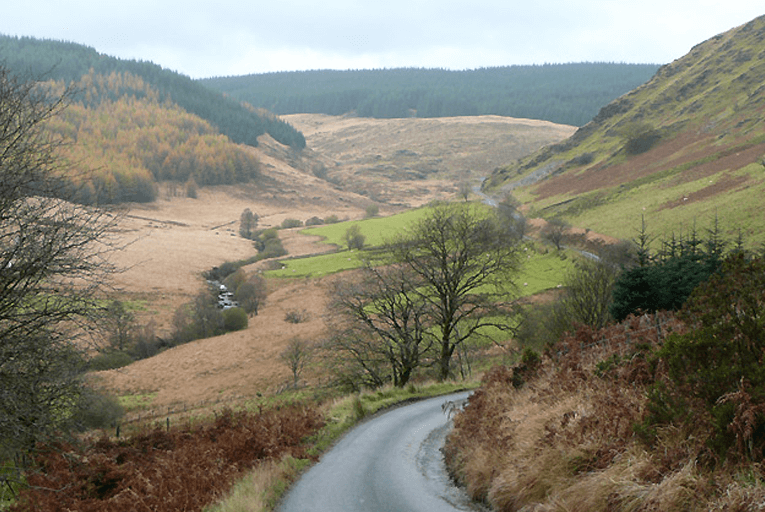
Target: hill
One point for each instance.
(560, 93)
(410, 161)
(129, 125)
(686, 146)
(69, 62)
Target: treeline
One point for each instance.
(69, 62)
(562, 93)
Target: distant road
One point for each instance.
(389, 463)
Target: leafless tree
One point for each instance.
(53, 264)
(463, 190)
(296, 356)
(119, 325)
(462, 261)
(555, 232)
(383, 313)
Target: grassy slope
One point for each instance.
(540, 271)
(708, 111)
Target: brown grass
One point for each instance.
(565, 440)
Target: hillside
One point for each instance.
(69, 62)
(683, 148)
(411, 161)
(560, 93)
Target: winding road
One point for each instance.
(391, 462)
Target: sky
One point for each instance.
(239, 37)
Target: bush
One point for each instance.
(640, 138)
(269, 245)
(296, 317)
(716, 366)
(251, 294)
(191, 188)
(314, 221)
(372, 211)
(353, 238)
(291, 223)
(109, 360)
(235, 319)
(97, 410)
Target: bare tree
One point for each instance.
(296, 356)
(118, 324)
(463, 190)
(588, 293)
(248, 223)
(53, 264)
(462, 260)
(383, 313)
(555, 231)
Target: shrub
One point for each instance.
(269, 245)
(235, 319)
(191, 188)
(353, 238)
(251, 293)
(331, 219)
(291, 223)
(640, 138)
(110, 360)
(314, 221)
(97, 410)
(372, 211)
(296, 317)
(716, 366)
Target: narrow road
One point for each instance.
(389, 463)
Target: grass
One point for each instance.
(736, 208)
(376, 230)
(137, 401)
(319, 265)
(539, 271)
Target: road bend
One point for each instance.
(390, 463)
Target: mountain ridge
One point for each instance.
(560, 93)
(686, 145)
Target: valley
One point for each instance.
(170, 242)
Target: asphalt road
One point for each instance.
(389, 463)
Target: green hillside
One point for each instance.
(685, 147)
(561, 93)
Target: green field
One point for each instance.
(376, 230)
(540, 269)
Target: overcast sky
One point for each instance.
(238, 37)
